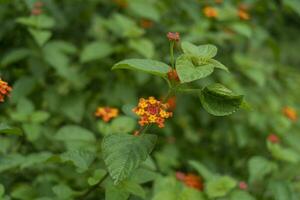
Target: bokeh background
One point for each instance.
(57, 56)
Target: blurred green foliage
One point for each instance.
(59, 61)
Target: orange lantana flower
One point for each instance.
(243, 14)
(152, 111)
(146, 23)
(210, 12)
(190, 180)
(106, 113)
(290, 113)
(5, 89)
(173, 76)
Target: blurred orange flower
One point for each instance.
(210, 12)
(243, 14)
(190, 180)
(172, 75)
(106, 113)
(172, 103)
(152, 111)
(5, 89)
(290, 113)
(146, 23)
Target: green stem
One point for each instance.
(172, 54)
(190, 90)
(86, 194)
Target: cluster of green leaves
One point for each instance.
(59, 65)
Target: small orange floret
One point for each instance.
(290, 113)
(190, 180)
(5, 89)
(210, 12)
(173, 76)
(273, 138)
(152, 111)
(172, 103)
(146, 23)
(173, 36)
(193, 181)
(243, 14)
(106, 113)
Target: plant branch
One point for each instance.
(86, 194)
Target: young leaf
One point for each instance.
(259, 167)
(202, 170)
(284, 154)
(220, 186)
(206, 51)
(97, 176)
(218, 100)
(145, 65)
(35, 158)
(123, 153)
(82, 159)
(5, 129)
(188, 72)
(40, 36)
(123, 124)
(95, 50)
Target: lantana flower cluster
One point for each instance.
(152, 111)
(290, 113)
(106, 113)
(5, 89)
(190, 180)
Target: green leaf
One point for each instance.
(40, 21)
(240, 195)
(95, 50)
(133, 188)
(35, 158)
(40, 36)
(8, 130)
(284, 154)
(15, 56)
(82, 159)
(145, 65)
(220, 186)
(142, 46)
(10, 161)
(144, 9)
(76, 137)
(123, 124)
(115, 193)
(259, 167)
(97, 176)
(63, 191)
(142, 175)
(204, 52)
(123, 153)
(188, 72)
(23, 192)
(218, 100)
(202, 170)
(2, 190)
(281, 190)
